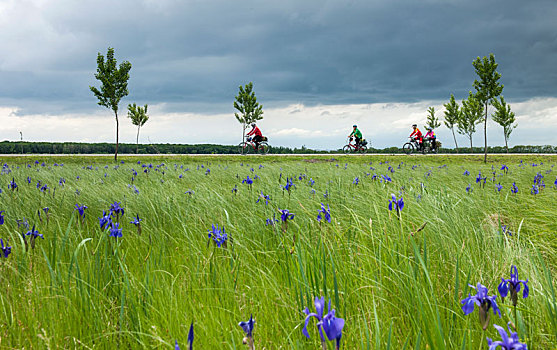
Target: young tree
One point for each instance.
(488, 87)
(452, 113)
(504, 117)
(139, 117)
(114, 84)
(250, 110)
(470, 116)
(432, 121)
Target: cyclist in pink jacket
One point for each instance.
(430, 136)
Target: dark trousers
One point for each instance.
(257, 139)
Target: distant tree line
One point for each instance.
(19, 147)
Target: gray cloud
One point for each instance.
(192, 55)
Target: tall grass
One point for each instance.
(397, 287)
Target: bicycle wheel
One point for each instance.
(363, 149)
(346, 149)
(264, 148)
(243, 148)
(408, 148)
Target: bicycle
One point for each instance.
(413, 145)
(248, 146)
(353, 148)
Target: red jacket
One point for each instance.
(417, 133)
(255, 131)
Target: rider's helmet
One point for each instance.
(355, 126)
(429, 128)
(414, 125)
(253, 125)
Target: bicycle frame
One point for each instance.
(353, 145)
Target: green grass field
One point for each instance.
(394, 285)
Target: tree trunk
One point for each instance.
(485, 134)
(471, 148)
(116, 153)
(137, 141)
(506, 144)
(454, 137)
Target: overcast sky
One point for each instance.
(317, 67)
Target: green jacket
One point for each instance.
(356, 133)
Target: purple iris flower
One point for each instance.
(506, 230)
(505, 168)
(247, 181)
(105, 220)
(328, 323)
(34, 233)
(286, 215)
(312, 182)
(115, 230)
(398, 204)
(81, 210)
(479, 179)
(248, 328)
(356, 181)
(5, 249)
(289, 184)
(12, 185)
(535, 190)
(2, 217)
(538, 179)
(219, 236)
(386, 178)
(22, 222)
(499, 187)
(116, 208)
(466, 173)
(507, 342)
(136, 221)
(265, 197)
(514, 189)
(326, 213)
(271, 221)
(469, 188)
(484, 302)
(513, 285)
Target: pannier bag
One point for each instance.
(265, 138)
(364, 142)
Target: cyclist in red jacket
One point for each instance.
(257, 135)
(417, 134)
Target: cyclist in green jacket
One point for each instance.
(357, 135)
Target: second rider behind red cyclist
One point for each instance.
(258, 136)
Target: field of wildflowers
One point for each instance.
(382, 252)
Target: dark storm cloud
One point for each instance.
(192, 55)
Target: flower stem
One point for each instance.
(515, 324)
